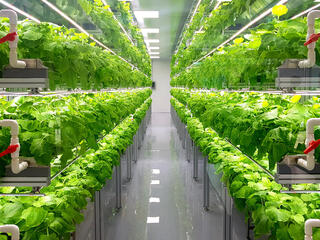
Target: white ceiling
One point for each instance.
(172, 16)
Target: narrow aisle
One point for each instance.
(163, 202)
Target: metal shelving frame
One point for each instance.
(96, 211)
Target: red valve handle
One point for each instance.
(312, 38)
(9, 37)
(9, 150)
(312, 146)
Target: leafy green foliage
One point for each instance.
(252, 63)
(55, 215)
(274, 214)
(113, 36)
(72, 60)
(63, 127)
(264, 126)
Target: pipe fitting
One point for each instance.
(16, 165)
(13, 229)
(309, 164)
(13, 59)
(309, 224)
(311, 61)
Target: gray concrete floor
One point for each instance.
(163, 174)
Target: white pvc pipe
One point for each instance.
(13, 229)
(13, 59)
(16, 166)
(309, 224)
(311, 61)
(310, 162)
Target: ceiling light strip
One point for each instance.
(19, 11)
(195, 10)
(199, 31)
(306, 11)
(187, 25)
(261, 16)
(219, 2)
(53, 7)
(114, 17)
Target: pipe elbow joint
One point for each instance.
(17, 167)
(13, 229)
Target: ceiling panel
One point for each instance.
(172, 15)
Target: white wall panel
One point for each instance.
(161, 94)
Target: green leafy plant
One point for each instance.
(73, 61)
(64, 127)
(56, 215)
(274, 215)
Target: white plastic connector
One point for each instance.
(309, 224)
(16, 166)
(310, 162)
(13, 59)
(13, 229)
(311, 61)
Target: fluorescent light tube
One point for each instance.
(146, 31)
(152, 40)
(154, 53)
(195, 11)
(266, 13)
(19, 11)
(53, 7)
(306, 11)
(219, 2)
(154, 57)
(153, 48)
(141, 15)
(147, 14)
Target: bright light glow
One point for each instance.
(141, 15)
(153, 48)
(154, 200)
(153, 219)
(261, 16)
(154, 53)
(152, 40)
(155, 171)
(57, 10)
(155, 182)
(62, 14)
(219, 2)
(146, 31)
(195, 11)
(306, 11)
(19, 11)
(154, 57)
(120, 25)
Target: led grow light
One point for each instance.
(306, 11)
(219, 2)
(153, 48)
(261, 16)
(146, 31)
(195, 11)
(141, 15)
(19, 11)
(120, 25)
(148, 41)
(62, 14)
